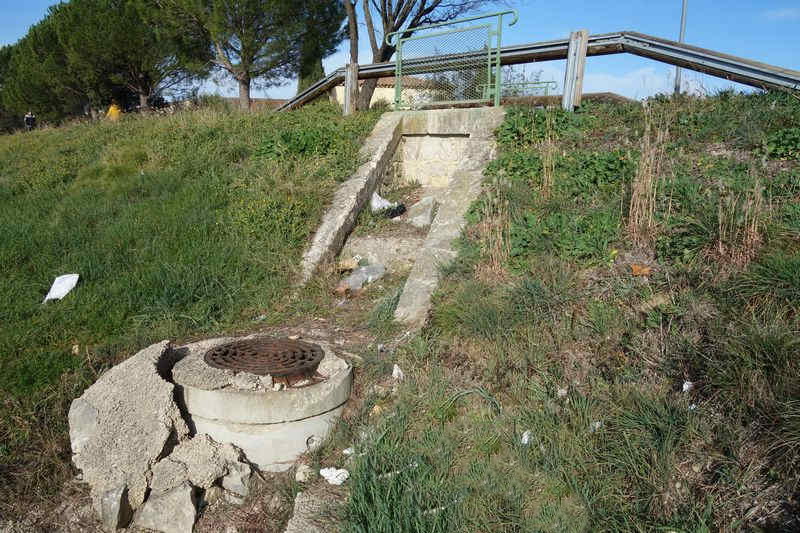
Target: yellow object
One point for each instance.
(113, 112)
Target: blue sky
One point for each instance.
(767, 31)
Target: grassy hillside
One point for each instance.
(616, 346)
(186, 225)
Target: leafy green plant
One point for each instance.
(783, 144)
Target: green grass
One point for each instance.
(187, 225)
(588, 361)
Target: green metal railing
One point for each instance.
(457, 63)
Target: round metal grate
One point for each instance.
(277, 357)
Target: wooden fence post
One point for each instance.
(576, 63)
(350, 88)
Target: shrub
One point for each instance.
(783, 144)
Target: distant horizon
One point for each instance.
(766, 31)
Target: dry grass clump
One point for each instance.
(739, 224)
(641, 221)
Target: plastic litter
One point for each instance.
(397, 373)
(334, 476)
(391, 209)
(687, 386)
(61, 287)
(526, 437)
(360, 277)
(595, 426)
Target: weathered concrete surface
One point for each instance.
(174, 511)
(396, 253)
(122, 425)
(272, 447)
(461, 188)
(353, 194)
(202, 462)
(204, 397)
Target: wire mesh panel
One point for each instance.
(452, 62)
(444, 67)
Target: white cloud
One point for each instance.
(787, 13)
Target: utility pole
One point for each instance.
(680, 39)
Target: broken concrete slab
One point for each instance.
(115, 509)
(420, 215)
(202, 462)
(122, 425)
(174, 511)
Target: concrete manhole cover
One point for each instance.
(276, 357)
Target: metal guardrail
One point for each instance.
(752, 73)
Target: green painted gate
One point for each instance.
(449, 63)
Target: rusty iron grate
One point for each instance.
(276, 357)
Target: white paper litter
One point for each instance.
(61, 287)
(687, 386)
(376, 203)
(526, 437)
(595, 426)
(397, 373)
(334, 476)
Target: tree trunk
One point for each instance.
(352, 30)
(143, 105)
(367, 90)
(244, 94)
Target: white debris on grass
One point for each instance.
(348, 451)
(526, 437)
(692, 407)
(377, 204)
(688, 386)
(334, 476)
(397, 373)
(561, 392)
(595, 426)
(62, 285)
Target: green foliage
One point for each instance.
(783, 144)
(586, 174)
(175, 231)
(524, 125)
(580, 236)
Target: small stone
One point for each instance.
(265, 382)
(212, 495)
(237, 480)
(278, 387)
(304, 473)
(276, 504)
(302, 383)
(171, 512)
(231, 498)
(76, 350)
(293, 337)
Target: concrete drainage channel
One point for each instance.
(445, 152)
(156, 436)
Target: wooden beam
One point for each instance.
(350, 88)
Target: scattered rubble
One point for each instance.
(420, 215)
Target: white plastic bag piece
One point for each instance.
(526, 437)
(61, 287)
(334, 476)
(377, 204)
(687, 386)
(397, 373)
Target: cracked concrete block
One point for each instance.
(174, 511)
(115, 510)
(201, 462)
(122, 424)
